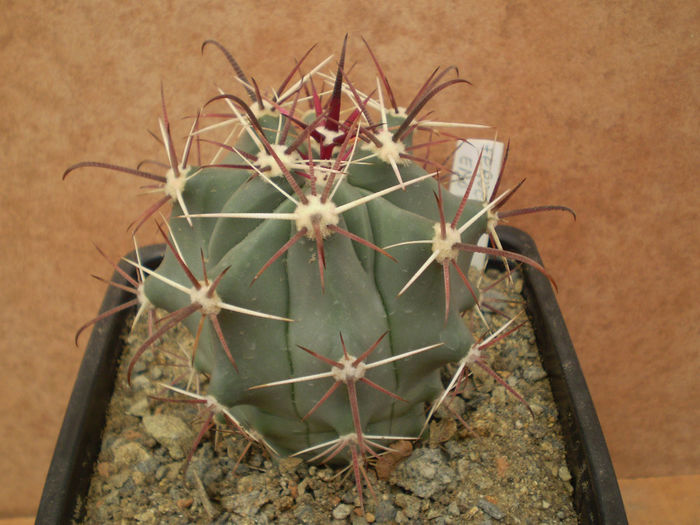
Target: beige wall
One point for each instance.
(600, 101)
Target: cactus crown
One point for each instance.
(317, 262)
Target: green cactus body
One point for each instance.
(320, 268)
(317, 254)
(358, 300)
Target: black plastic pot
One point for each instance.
(596, 494)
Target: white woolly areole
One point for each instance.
(265, 160)
(389, 150)
(321, 176)
(328, 135)
(316, 212)
(175, 184)
(473, 354)
(267, 110)
(210, 305)
(400, 112)
(348, 372)
(144, 301)
(349, 439)
(212, 403)
(491, 218)
(444, 246)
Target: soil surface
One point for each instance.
(507, 467)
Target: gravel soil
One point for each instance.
(507, 467)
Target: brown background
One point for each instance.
(600, 101)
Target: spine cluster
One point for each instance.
(317, 261)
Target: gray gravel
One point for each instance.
(507, 468)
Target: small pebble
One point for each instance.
(171, 432)
(129, 454)
(140, 408)
(368, 518)
(184, 503)
(140, 382)
(139, 367)
(342, 511)
(287, 465)
(138, 478)
(161, 472)
(105, 469)
(384, 512)
(564, 473)
(147, 516)
(453, 509)
(534, 373)
(490, 508)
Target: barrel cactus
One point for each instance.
(318, 263)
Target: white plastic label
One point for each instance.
(465, 160)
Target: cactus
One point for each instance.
(318, 264)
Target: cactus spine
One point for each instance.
(319, 265)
